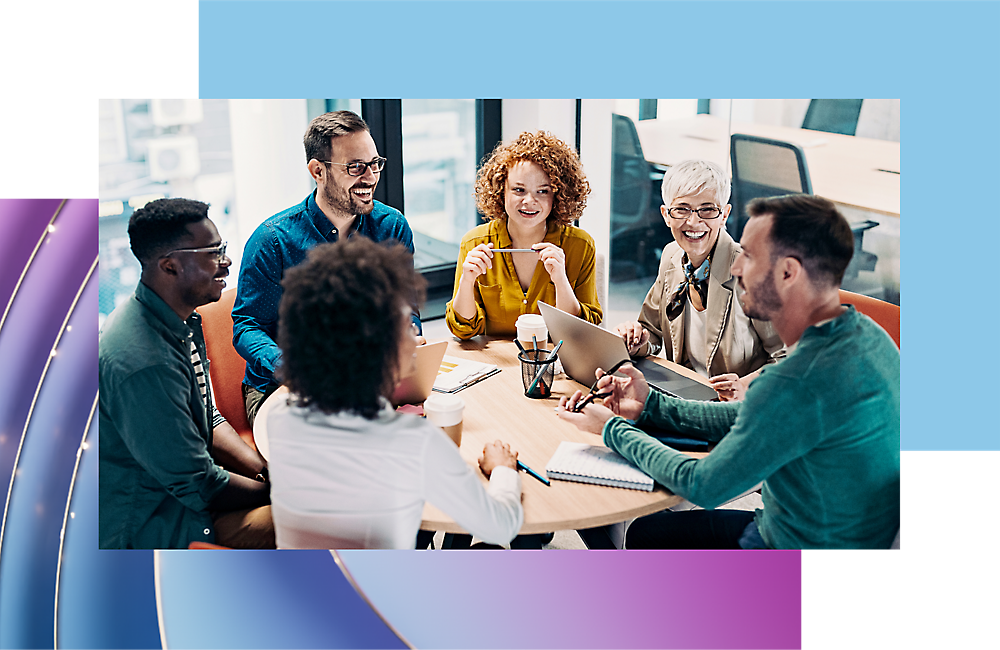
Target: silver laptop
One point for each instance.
(587, 347)
(415, 386)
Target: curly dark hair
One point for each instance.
(339, 324)
(569, 184)
(160, 226)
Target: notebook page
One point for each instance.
(581, 459)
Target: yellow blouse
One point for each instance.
(499, 297)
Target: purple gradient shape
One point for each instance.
(107, 599)
(40, 490)
(22, 222)
(35, 318)
(264, 599)
(586, 599)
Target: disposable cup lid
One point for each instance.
(443, 402)
(529, 320)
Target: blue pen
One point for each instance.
(541, 478)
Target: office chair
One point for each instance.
(761, 168)
(227, 367)
(833, 115)
(205, 546)
(638, 232)
(884, 313)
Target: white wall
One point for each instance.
(675, 109)
(558, 116)
(269, 165)
(595, 153)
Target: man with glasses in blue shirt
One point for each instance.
(163, 443)
(342, 158)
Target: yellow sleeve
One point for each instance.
(461, 327)
(585, 287)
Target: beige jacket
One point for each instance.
(735, 343)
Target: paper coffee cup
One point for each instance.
(529, 325)
(446, 411)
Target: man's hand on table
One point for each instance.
(495, 454)
(626, 397)
(590, 419)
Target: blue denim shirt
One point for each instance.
(278, 244)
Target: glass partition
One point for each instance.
(848, 151)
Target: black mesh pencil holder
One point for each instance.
(537, 374)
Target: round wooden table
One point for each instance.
(496, 408)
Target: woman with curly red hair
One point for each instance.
(531, 191)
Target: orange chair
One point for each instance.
(227, 366)
(205, 546)
(884, 313)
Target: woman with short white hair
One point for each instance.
(692, 311)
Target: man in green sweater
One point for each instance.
(820, 429)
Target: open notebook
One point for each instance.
(583, 463)
(456, 374)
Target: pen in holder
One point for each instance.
(538, 374)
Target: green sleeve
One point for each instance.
(775, 424)
(704, 420)
(156, 425)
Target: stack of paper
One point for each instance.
(455, 374)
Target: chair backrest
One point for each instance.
(833, 115)
(630, 185)
(884, 313)
(205, 546)
(763, 167)
(227, 366)
(342, 530)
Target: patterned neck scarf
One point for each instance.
(693, 277)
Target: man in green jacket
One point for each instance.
(161, 437)
(820, 429)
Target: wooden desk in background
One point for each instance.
(843, 168)
(496, 408)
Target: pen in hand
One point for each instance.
(541, 478)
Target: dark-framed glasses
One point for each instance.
(705, 214)
(358, 168)
(219, 252)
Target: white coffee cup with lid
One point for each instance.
(529, 325)
(446, 411)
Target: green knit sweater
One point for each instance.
(820, 429)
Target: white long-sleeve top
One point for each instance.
(354, 483)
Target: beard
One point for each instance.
(765, 299)
(344, 201)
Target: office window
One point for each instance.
(150, 149)
(439, 171)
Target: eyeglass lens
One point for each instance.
(703, 213)
(358, 168)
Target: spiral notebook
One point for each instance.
(583, 463)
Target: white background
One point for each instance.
(939, 591)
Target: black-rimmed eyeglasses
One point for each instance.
(219, 251)
(358, 168)
(705, 214)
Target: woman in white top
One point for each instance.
(347, 470)
(692, 311)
